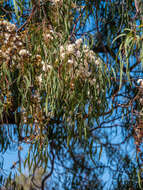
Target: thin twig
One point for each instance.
(29, 18)
(50, 173)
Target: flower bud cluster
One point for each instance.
(7, 26)
(80, 61)
(12, 47)
(56, 1)
(48, 35)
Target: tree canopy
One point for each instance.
(71, 90)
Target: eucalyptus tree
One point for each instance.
(72, 87)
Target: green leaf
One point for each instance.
(121, 35)
(16, 8)
(46, 105)
(68, 139)
(139, 179)
(114, 73)
(85, 132)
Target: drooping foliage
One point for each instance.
(72, 89)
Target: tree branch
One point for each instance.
(50, 173)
